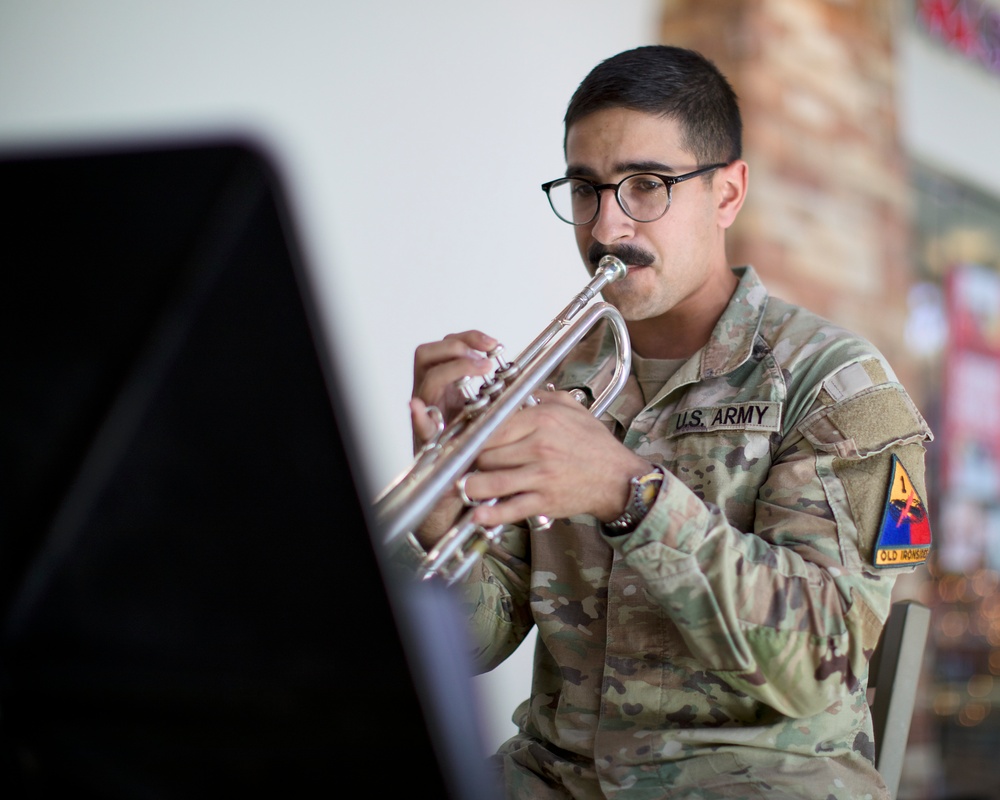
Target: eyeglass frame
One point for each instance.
(668, 180)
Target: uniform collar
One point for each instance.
(730, 345)
(732, 340)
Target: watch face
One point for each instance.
(646, 489)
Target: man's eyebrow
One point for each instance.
(581, 171)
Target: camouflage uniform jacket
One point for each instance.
(721, 649)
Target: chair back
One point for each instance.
(894, 673)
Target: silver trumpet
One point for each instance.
(444, 461)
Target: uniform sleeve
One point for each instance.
(790, 612)
(494, 598)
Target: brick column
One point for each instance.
(827, 220)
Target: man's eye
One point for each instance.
(581, 190)
(647, 185)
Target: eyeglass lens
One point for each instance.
(643, 197)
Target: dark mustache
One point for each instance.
(629, 253)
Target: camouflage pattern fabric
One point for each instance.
(721, 649)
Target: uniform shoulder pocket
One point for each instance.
(861, 412)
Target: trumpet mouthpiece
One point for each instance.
(613, 266)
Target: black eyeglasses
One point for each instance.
(644, 197)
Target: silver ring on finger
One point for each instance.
(460, 485)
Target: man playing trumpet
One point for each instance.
(726, 536)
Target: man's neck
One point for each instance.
(682, 331)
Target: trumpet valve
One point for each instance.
(508, 373)
(464, 385)
(504, 370)
(497, 355)
(474, 399)
(494, 383)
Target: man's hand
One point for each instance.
(437, 366)
(553, 459)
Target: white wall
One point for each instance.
(451, 108)
(949, 110)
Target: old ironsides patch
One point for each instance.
(904, 538)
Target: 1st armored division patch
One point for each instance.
(904, 538)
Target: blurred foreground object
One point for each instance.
(191, 602)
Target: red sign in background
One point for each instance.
(971, 430)
(969, 27)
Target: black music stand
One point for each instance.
(190, 602)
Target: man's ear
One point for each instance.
(731, 183)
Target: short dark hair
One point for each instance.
(670, 82)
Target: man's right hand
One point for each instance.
(437, 366)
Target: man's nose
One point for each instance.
(612, 223)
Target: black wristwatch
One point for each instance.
(642, 492)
